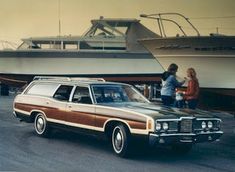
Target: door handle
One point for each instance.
(69, 106)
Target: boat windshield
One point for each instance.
(117, 94)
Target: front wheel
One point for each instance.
(120, 140)
(40, 125)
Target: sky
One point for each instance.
(35, 18)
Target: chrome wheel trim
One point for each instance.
(117, 139)
(40, 124)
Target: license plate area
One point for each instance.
(186, 139)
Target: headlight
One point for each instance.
(158, 126)
(203, 124)
(165, 126)
(210, 124)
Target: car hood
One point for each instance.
(157, 111)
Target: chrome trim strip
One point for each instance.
(185, 134)
(182, 118)
(215, 132)
(177, 134)
(172, 120)
(186, 141)
(167, 120)
(208, 119)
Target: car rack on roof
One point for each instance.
(54, 78)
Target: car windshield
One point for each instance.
(117, 94)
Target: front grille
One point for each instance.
(186, 126)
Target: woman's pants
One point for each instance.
(192, 103)
(167, 100)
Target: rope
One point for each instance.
(13, 80)
(205, 18)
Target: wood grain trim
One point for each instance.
(90, 119)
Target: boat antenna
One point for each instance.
(59, 17)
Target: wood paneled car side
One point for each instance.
(115, 109)
(72, 104)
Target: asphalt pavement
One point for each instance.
(22, 150)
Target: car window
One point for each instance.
(82, 95)
(63, 92)
(42, 89)
(116, 94)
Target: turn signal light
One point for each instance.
(149, 124)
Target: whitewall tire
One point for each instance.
(40, 125)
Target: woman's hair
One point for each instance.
(172, 68)
(165, 75)
(192, 73)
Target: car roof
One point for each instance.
(84, 83)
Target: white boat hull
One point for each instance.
(212, 57)
(212, 72)
(79, 63)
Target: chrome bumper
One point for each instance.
(165, 138)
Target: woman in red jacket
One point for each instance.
(192, 92)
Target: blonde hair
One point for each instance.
(192, 73)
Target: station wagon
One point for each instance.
(115, 109)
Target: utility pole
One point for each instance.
(59, 16)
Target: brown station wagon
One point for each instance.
(115, 109)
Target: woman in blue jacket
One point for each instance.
(169, 84)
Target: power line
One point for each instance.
(218, 17)
(226, 28)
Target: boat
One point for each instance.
(213, 56)
(109, 49)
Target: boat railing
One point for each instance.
(101, 44)
(56, 78)
(160, 20)
(7, 45)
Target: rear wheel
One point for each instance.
(40, 125)
(120, 140)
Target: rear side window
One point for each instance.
(42, 89)
(63, 92)
(82, 95)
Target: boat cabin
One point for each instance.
(104, 34)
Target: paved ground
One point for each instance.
(22, 150)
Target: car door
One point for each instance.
(81, 108)
(56, 107)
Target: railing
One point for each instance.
(159, 19)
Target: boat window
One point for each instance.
(45, 46)
(56, 46)
(63, 93)
(42, 89)
(122, 29)
(82, 95)
(104, 31)
(71, 46)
